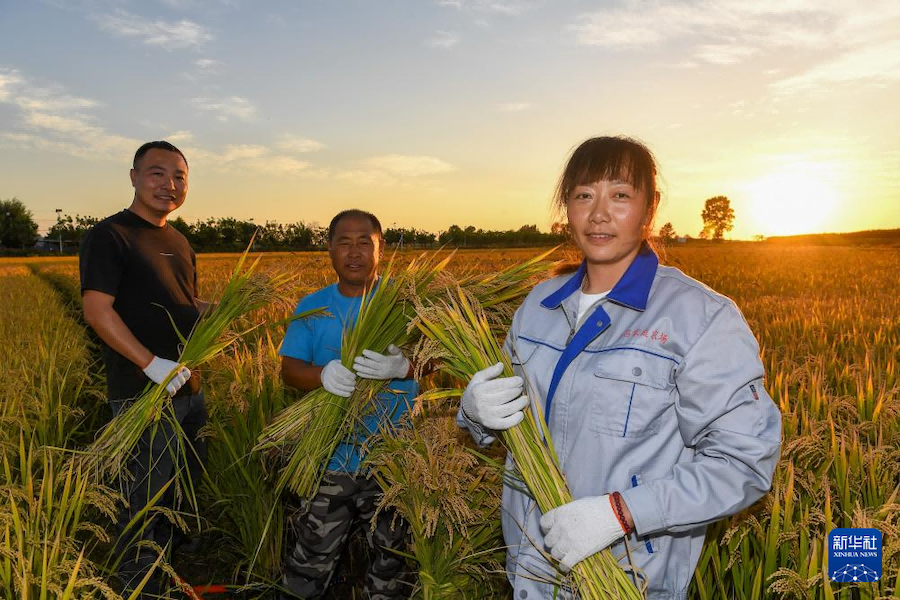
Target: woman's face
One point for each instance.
(607, 220)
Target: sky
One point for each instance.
(438, 112)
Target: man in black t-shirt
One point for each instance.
(138, 276)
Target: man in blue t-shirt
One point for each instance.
(311, 354)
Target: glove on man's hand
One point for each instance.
(574, 531)
(494, 403)
(159, 369)
(372, 365)
(338, 379)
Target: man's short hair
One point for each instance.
(354, 212)
(162, 145)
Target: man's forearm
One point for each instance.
(112, 330)
(303, 377)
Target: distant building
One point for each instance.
(49, 244)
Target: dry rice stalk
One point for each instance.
(458, 325)
(450, 499)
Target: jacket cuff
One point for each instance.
(644, 508)
(481, 435)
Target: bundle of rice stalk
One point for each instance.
(450, 499)
(499, 293)
(107, 457)
(461, 335)
(311, 429)
(508, 285)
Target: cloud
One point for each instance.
(179, 137)
(208, 65)
(71, 129)
(58, 123)
(393, 170)
(29, 97)
(48, 100)
(84, 148)
(515, 106)
(243, 151)
(225, 109)
(257, 158)
(508, 7)
(283, 165)
(200, 4)
(169, 35)
(55, 120)
(9, 79)
(247, 159)
(204, 67)
(840, 41)
(368, 178)
(408, 166)
(298, 145)
(751, 27)
(443, 39)
(725, 54)
(877, 62)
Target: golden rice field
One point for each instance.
(828, 322)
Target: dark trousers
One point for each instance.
(322, 532)
(155, 461)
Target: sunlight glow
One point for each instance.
(798, 199)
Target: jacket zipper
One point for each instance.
(569, 322)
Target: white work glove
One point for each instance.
(159, 369)
(497, 404)
(574, 531)
(372, 365)
(338, 379)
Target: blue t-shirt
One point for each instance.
(317, 340)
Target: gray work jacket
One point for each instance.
(657, 392)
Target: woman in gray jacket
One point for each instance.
(650, 382)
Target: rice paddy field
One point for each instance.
(827, 319)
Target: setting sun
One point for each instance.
(797, 200)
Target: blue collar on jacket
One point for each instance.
(631, 290)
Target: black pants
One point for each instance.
(155, 461)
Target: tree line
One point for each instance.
(18, 230)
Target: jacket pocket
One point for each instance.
(523, 360)
(522, 351)
(631, 392)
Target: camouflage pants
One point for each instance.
(322, 532)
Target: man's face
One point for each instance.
(355, 250)
(160, 183)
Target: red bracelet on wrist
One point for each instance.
(615, 499)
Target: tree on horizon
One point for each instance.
(18, 229)
(667, 232)
(718, 218)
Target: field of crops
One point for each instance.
(828, 322)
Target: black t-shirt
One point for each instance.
(149, 270)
